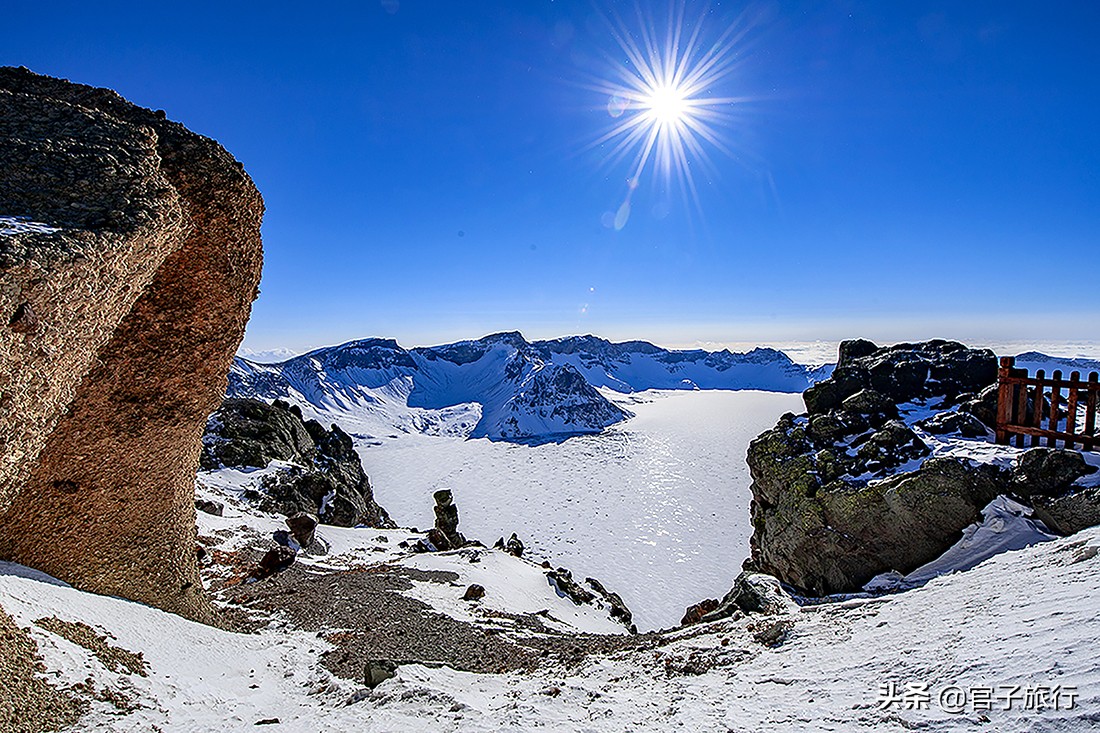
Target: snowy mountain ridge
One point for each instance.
(501, 386)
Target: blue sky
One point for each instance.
(899, 170)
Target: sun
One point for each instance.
(665, 97)
(666, 105)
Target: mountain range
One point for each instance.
(502, 387)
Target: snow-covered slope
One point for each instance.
(500, 386)
(1020, 624)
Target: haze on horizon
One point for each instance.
(433, 172)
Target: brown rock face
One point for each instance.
(117, 329)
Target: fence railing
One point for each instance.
(1046, 407)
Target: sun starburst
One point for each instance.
(664, 98)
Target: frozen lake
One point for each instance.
(657, 508)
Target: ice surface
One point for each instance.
(657, 508)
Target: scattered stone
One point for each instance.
(695, 613)
(474, 592)
(208, 506)
(513, 546)
(275, 561)
(359, 695)
(890, 446)
(772, 632)
(377, 671)
(303, 528)
(28, 704)
(564, 585)
(112, 657)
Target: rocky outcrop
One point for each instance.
(123, 297)
(848, 490)
(326, 478)
(903, 372)
(833, 504)
(561, 580)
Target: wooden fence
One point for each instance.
(1046, 407)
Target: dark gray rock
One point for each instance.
(1071, 512)
(983, 406)
(833, 537)
(829, 394)
(617, 608)
(327, 477)
(958, 421)
(208, 506)
(446, 521)
(246, 433)
(751, 593)
(853, 349)
(474, 592)
(829, 427)
(303, 527)
(871, 403)
(891, 446)
(1047, 471)
(513, 545)
(561, 580)
(904, 372)
(695, 613)
(276, 560)
(377, 671)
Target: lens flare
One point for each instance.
(663, 97)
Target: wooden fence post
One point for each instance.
(1004, 398)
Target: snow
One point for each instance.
(511, 585)
(1025, 617)
(656, 508)
(1006, 525)
(13, 225)
(501, 386)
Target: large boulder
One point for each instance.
(1047, 471)
(326, 477)
(1047, 479)
(124, 293)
